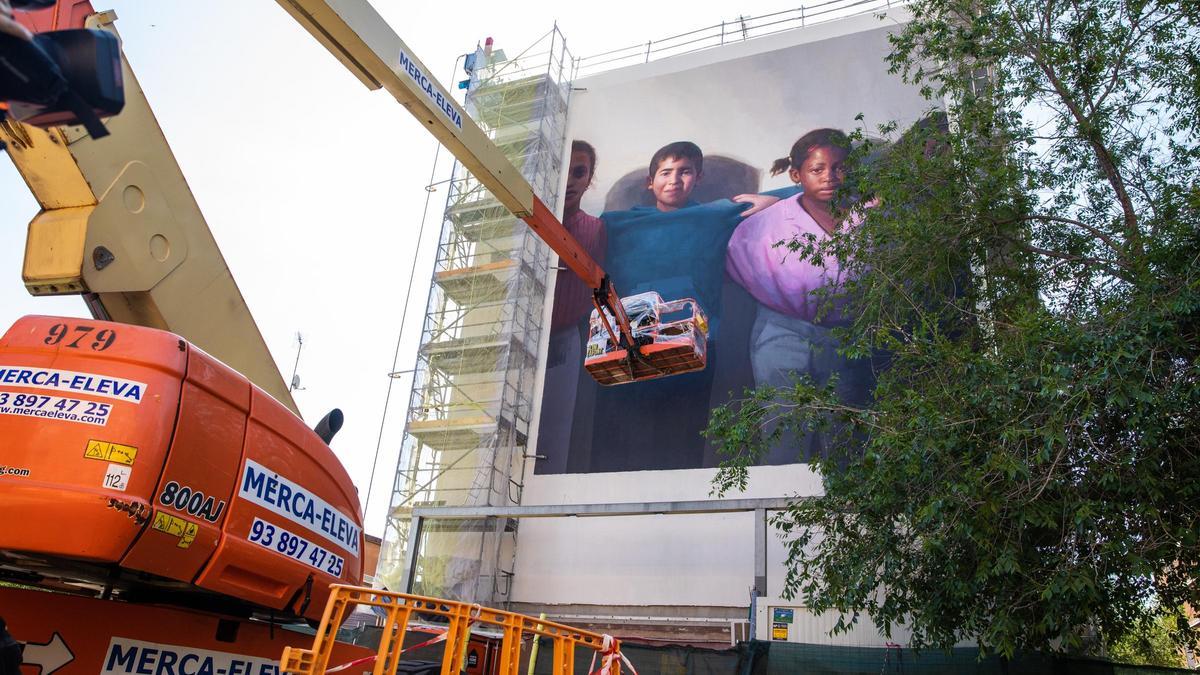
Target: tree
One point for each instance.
(1028, 474)
(1151, 644)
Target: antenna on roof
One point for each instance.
(295, 385)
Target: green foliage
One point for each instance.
(1028, 475)
(1151, 644)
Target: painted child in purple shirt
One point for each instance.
(787, 339)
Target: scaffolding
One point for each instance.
(467, 427)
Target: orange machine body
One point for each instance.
(72, 635)
(132, 458)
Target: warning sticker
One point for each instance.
(108, 451)
(176, 527)
(779, 631)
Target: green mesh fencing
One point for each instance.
(780, 658)
(786, 658)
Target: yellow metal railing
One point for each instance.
(400, 608)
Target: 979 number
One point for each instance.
(80, 336)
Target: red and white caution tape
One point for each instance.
(368, 659)
(609, 656)
(355, 662)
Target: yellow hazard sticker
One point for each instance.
(176, 527)
(110, 452)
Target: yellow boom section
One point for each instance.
(119, 225)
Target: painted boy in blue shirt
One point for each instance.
(677, 248)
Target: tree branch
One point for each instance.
(1109, 241)
(1088, 260)
(1089, 132)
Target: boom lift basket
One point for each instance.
(664, 344)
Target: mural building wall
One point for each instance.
(676, 151)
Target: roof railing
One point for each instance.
(727, 32)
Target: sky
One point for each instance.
(314, 186)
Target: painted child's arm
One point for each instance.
(762, 200)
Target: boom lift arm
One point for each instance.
(364, 43)
(120, 226)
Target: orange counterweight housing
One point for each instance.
(130, 454)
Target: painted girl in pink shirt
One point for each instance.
(787, 339)
(773, 274)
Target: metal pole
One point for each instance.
(753, 614)
(604, 510)
(294, 384)
(537, 638)
(760, 551)
(411, 556)
(562, 60)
